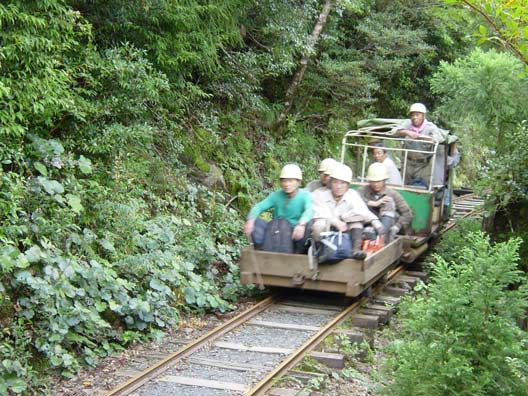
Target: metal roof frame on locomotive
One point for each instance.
(351, 277)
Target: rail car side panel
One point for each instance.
(376, 263)
(348, 276)
(421, 204)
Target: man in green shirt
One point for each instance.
(290, 203)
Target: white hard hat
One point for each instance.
(418, 108)
(341, 172)
(331, 166)
(377, 172)
(291, 171)
(326, 164)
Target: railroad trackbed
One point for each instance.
(249, 353)
(246, 355)
(463, 207)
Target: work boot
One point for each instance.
(355, 235)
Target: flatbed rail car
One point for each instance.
(351, 277)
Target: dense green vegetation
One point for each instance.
(461, 336)
(134, 135)
(483, 96)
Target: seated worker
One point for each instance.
(417, 130)
(379, 153)
(386, 203)
(290, 203)
(324, 175)
(341, 209)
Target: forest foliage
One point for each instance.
(136, 134)
(462, 331)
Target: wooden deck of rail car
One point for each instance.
(349, 277)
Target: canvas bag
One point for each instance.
(278, 236)
(333, 247)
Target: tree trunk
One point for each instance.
(312, 41)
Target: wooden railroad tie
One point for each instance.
(417, 274)
(233, 386)
(365, 321)
(382, 315)
(385, 310)
(395, 291)
(411, 281)
(330, 359)
(333, 360)
(353, 336)
(387, 300)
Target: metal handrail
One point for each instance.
(371, 132)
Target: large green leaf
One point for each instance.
(85, 165)
(52, 187)
(33, 255)
(75, 203)
(41, 168)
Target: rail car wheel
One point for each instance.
(368, 292)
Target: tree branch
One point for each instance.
(312, 40)
(494, 26)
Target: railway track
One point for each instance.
(464, 206)
(247, 354)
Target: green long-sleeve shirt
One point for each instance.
(295, 210)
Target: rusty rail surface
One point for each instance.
(158, 368)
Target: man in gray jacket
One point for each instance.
(419, 134)
(324, 175)
(342, 209)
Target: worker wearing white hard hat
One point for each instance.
(419, 134)
(325, 167)
(379, 154)
(290, 203)
(386, 203)
(342, 209)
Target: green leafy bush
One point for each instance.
(85, 265)
(38, 83)
(483, 96)
(103, 241)
(462, 337)
(450, 246)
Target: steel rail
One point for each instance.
(476, 210)
(453, 224)
(153, 371)
(267, 382)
